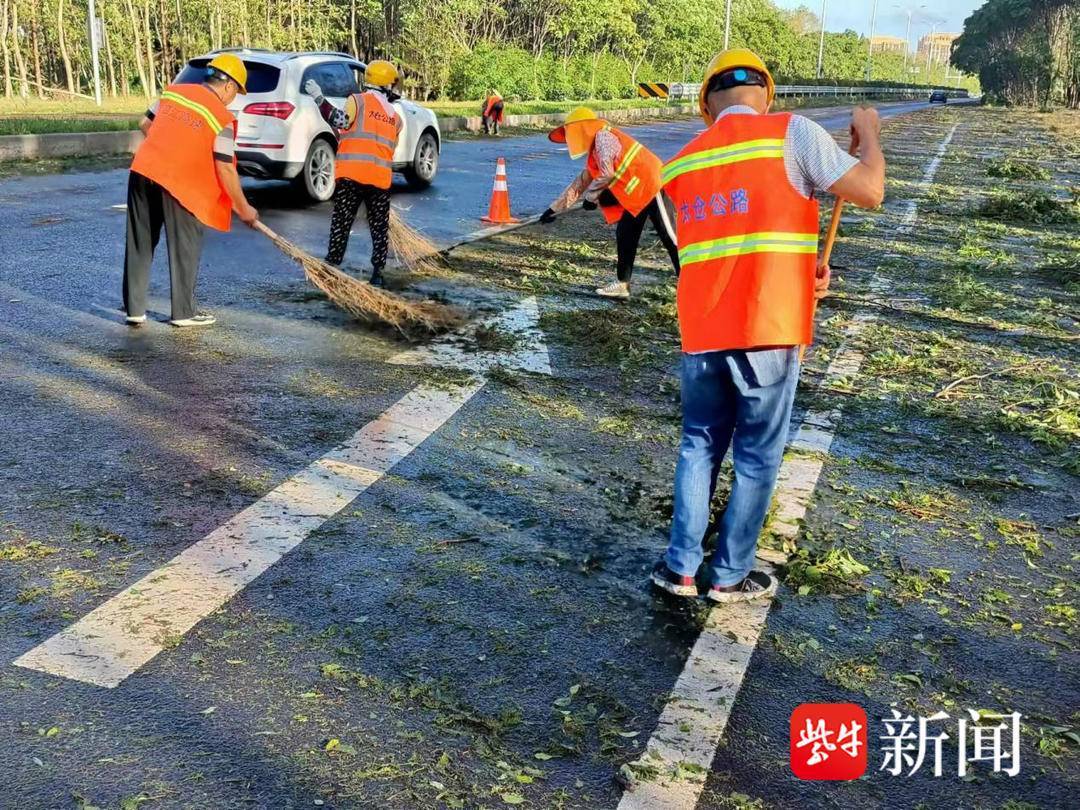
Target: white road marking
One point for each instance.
(693, 720)
(912, 212)
(117, 638)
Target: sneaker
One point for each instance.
(377, 279)
(755, 585)
(666, 579)
(135, 320)
(198, 319)
(619, 290)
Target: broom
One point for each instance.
(413, 250)
(362, 300)
(830, 240)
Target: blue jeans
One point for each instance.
(741, 398)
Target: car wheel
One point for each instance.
(425, 163)
(317, 177)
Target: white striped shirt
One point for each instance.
(812, 159)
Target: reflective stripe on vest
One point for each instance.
(178, 153)
(366, 149)
(747, 239)
(743, 244)
(724, 155)
(635, 181)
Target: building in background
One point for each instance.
(936, 47)
(885, 44)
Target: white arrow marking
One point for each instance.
(117, 638)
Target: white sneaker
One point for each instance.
(617, 289)
(198, 319)
(135, 320)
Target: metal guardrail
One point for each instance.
(687, 90)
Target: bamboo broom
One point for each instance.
(412, 249)
(362, 300)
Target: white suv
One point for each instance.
(282, 135)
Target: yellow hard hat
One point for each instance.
(232, 66)
(578, 131)
(726, 60)
(558, 135)
(380, 73)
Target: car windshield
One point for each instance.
(262, 78)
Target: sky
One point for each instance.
(891, 15)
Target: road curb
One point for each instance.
(84, 144)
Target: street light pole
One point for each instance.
(821, 40)
(870, 42)
(95, 47)
(727, 24)
(907, 40)
(930, 53)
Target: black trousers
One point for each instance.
(347, 199)
(149, 206)
(628, 234)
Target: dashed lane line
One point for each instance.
(123, 634)
(678, 756)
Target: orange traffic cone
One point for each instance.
(499, 210)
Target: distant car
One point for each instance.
(281, 135)
(939, 97)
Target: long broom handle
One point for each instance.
(264, 229)
(830, 240)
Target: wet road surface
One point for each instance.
(472, 629)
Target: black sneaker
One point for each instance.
(755, 585)
(666, 579)
(377, 279)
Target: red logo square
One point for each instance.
(828, 741)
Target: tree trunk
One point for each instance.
(352, 27)
(35, 27)
(4, 47)
(151, 70)
(61, 28)
(20, 61)
(136, 47)
(110, 67)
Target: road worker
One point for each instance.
(183, 177)
(747, 220)
(622, 178)
(368, 130)
(491, 114)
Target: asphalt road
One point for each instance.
(121, 448)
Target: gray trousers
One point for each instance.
(149, 206)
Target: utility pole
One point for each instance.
(727, 24)
(930, 54)
(95, 46)
(821, 41)
(870, 42)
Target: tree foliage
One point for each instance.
(1024, 51)
(457, 48)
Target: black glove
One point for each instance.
(588, 205)
(547, 217)
(607, 198)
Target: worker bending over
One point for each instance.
(368, 130)
(184, 177)
(622, 177)
(491, 115)
(747, 220)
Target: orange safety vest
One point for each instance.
(366, 149)
(637, 177)
(489, 106)
(178, 153)
(747, 239)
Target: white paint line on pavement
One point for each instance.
(693, 720)
(912, 212)
(121, 635)
(118, 637)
